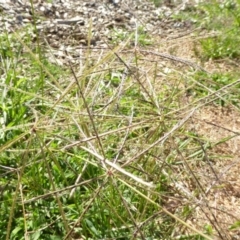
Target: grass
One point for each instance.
(205, 84)
(107, 152)
(222, 18)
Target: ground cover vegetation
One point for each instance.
(117, 147)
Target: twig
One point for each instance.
(174, 58)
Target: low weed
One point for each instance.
(223, 18)
(205, 84)
(223, 46)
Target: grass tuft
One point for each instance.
(114, 150)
